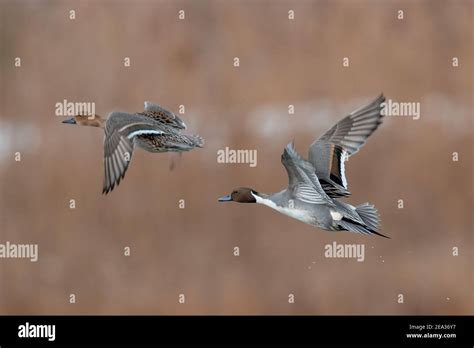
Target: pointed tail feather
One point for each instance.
(369, 216)
(368, 213)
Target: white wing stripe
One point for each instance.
(343, 169)
(143, 131)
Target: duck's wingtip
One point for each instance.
(380, 98)
(290, 145)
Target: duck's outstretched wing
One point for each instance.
(120, 130)
(163, 116)
(303, 182)
(329, 152)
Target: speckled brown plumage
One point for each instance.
(155, 130)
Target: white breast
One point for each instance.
(298, 214)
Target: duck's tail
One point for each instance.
(186, 143)
(369, 216)
(197, 140)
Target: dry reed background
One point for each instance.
(190, 62)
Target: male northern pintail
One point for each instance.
(315, 185)
(155, 130)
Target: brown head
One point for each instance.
(92, 121)
(241, 195)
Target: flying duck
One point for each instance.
(316, 185)
(155, 130)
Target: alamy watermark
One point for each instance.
(67, 108)
(408, 109)
(28, 330)
(19, 251)
(228, 155)
(347, 251)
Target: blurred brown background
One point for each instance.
(190, 62)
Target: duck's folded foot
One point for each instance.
(175, 158)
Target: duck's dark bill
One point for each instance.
(227, 198)
(70, 121)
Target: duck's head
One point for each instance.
(240, 195)
(84, 120)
